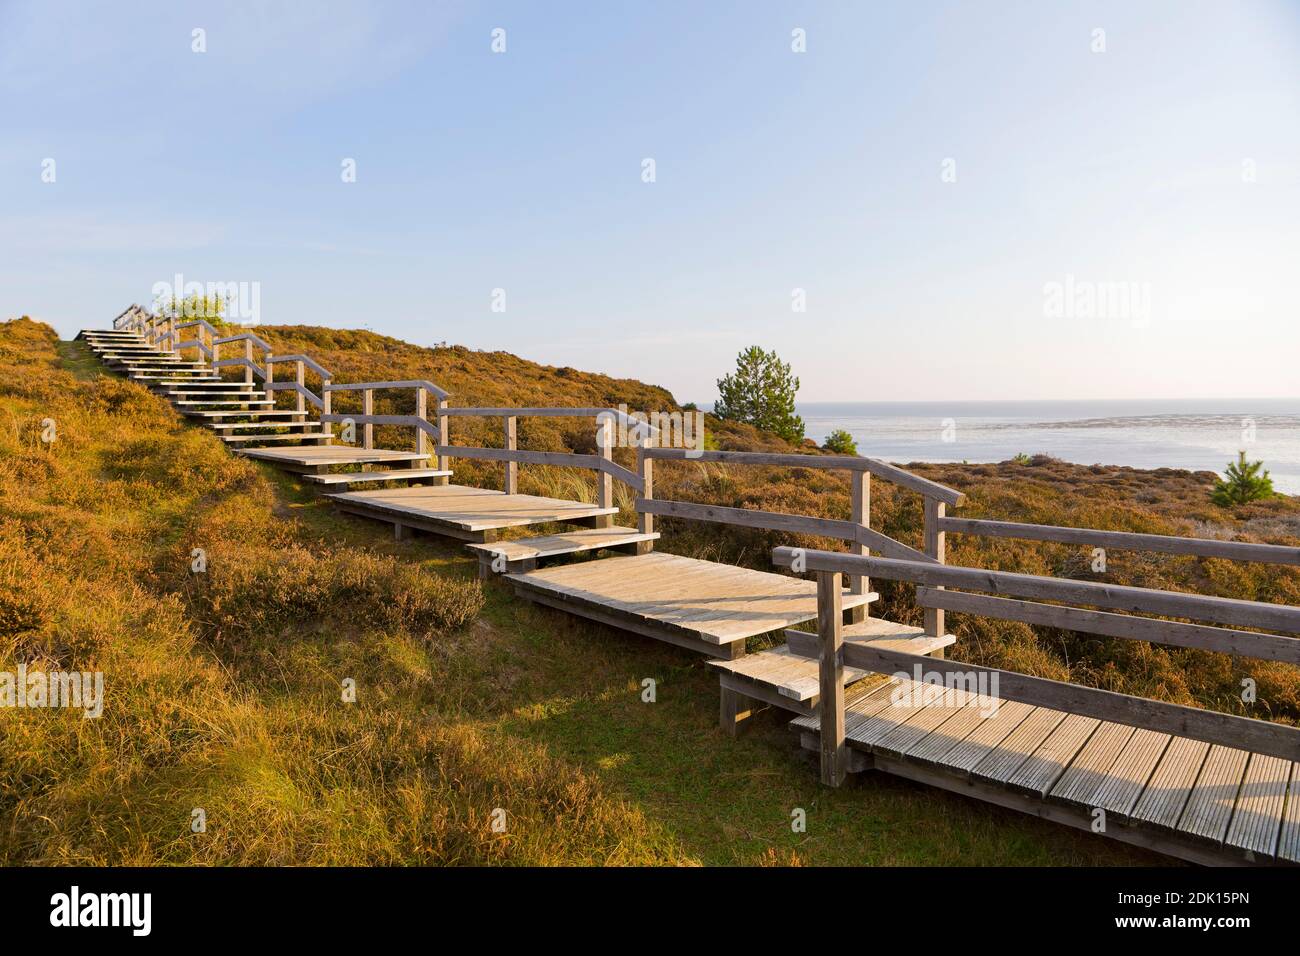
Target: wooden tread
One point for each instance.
(569, 542)
(357, 477)
(878, 632)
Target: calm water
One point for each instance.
(1193, 434)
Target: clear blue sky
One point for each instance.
(775, 170)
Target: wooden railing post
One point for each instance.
(605, 481)
(248, 357)
(511, 485)
(830, 630)
(860, 482)
(368, 409)
(645, 467)
(300, 377)
(326, 403)
(422, 412)
(444, 434)
(935, 547)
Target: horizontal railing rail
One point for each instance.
(1220, 610)
(780, 521)
(512, 456)
(853, 463)
(1126, 540)
(857, 531)
(1229, 730)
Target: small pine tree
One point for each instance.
(761, 393)
(841, 442)
(1242, 483)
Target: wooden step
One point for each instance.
(181, 393)
(522, 554)
(263, 401)
(361, 477)
(876, 631)
(780, 677)
(196, 379)
(278, 412)
(299, 436)
(228, 426)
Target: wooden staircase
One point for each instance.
(237, 411)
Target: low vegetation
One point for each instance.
(225, 687)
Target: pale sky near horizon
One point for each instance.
(1167, 164)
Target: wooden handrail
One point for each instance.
(414, 383)
(550, 412)
(1220, 610)
(780, 521)
(1228, 730)
(320, 370)
(1127, 540)
(880, 469)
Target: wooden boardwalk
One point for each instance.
(1205, 803)
(471, 514)
(701, 605)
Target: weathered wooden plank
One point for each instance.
(1004, 759)
(1165, 796)
(567, 542)
(903, 738)
(945, 738)
(717, 602)
(1091, 765)
(876, 631)
(1209, 808)
(1288, 843)
(1128, 777)
(1126, 540)
(986, 737)
(1243, 733)
(1257, 816)
(1224, 640)
(1048, 762)
(1220, 610)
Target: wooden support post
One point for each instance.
(605, 481)
(935, 547)
(830, 630)
(860, 484)
(645, 467)
(216, 355)
(300, 376)
(734, 708)
(421, 411)
(248, 357)
(326, 403)
(511, 485)
(368, 409)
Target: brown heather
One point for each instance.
(223, 689)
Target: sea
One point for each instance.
(1200, 435)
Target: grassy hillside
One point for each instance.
(223, 688)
